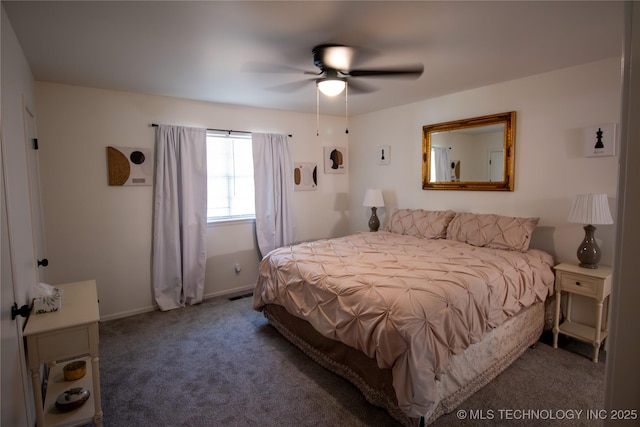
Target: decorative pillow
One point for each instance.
(420, 223)
(492, 231)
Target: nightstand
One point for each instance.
(592, 283)
(70, 333)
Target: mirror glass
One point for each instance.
(469, 154)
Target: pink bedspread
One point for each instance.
(408, 302)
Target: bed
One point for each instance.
(419, 315)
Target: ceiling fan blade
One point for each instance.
(268, 68)
(291, 87)
(412, 71)
(358, 87)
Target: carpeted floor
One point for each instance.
(221, 364)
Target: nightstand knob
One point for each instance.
(578, 283)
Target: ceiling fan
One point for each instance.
(335, 74)
(334, 62)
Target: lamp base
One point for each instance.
(588, 251)
(591, 266)
(374, 222)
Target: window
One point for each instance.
(230, 190)
(440, 165)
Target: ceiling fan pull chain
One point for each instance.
(317, 111)
(346, 106)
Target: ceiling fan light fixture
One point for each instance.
(338, 57)
(331, 87)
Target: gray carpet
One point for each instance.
(221, 364)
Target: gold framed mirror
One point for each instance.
(470, 154)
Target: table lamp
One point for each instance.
(373, 199)
(590, 209)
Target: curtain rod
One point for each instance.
(155, 125)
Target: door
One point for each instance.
(496, 166)
(21, 240)
(14, 388)
(34, 188)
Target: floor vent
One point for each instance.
(250, 294)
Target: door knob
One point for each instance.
(23, 311)
(43, 262)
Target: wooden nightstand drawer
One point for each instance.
(579, 284)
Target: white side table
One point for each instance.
(70, 333)
(593, 283)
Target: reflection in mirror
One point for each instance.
(470, 154)
(468, 147)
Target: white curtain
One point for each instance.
(179, 216)
(440, 165)
(273, 176)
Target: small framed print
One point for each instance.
(600, 140)
(335, 159)
(305, 176)
(130, 166)
(384, 155)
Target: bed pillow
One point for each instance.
(420, 223)
(492, 231)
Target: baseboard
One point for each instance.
(129, 313)
(230, 292)
(220, 294)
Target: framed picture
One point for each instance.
(130, 166)
(335, 159)
(600, 140)
(384, 155)
(305, 176)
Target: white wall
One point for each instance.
(104, 233)
(552, 110)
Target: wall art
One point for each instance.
(600, 140)
(305, 176)
(130, 166)
(384, 155)
(335, 159)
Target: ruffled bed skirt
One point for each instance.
(469, 371)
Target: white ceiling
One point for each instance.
(203, 50)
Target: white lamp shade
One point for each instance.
(590, 209)
(373, 198)
(331, 87)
